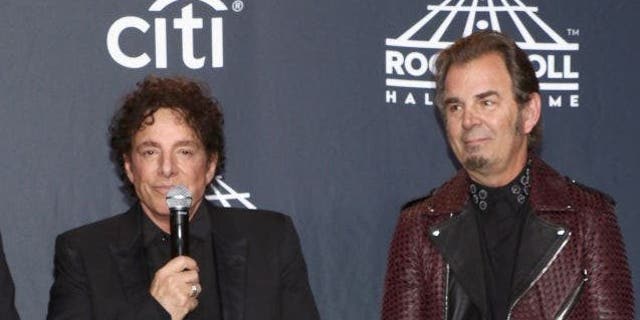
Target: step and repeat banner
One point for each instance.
(328, 107)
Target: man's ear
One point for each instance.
(531, 113)
(212, 165)
(127, 167)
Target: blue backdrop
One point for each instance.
(328, 108)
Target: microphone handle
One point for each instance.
(179, 232)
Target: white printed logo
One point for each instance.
(410, 58)
(225, 194)
(189, 27)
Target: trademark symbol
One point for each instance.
(237, 5)
(573, 32)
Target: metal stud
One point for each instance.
(561, 232)
(435, 233)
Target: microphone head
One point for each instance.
(179, 198)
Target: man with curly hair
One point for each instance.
(242, 265)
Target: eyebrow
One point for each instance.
(181, 143)
(478, 96)
(487, 94)
(147, 143)
(187, 143)
(451, 100)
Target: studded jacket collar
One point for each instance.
(549, 192)
(571, 232)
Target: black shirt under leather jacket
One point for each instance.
(500, 215)
(571, 261)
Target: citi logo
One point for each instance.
(410, 58)
(187, 27)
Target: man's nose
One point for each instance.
(469, 118)
(167, 165)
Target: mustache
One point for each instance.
(475, 133)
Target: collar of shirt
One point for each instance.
(515, 192)
(199, 228)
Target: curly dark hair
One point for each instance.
(200, 110)
(523, 76)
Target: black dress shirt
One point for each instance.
(157, 249)
(500, 216)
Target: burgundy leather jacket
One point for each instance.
(571, 265)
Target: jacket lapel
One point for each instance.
(540, 243)
(128, 254)
(230, 254)
(457, 238)
(458, 242)
(541, 240)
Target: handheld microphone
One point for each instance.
(179, 202)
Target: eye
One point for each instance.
(148, 152)
(488, 103)
(454, 107)
(186, 152)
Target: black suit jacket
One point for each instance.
(7, 290)
(101, 272)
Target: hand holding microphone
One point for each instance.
(176, 285)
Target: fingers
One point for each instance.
(193, 303)
(180, 263)
(176, 286)
(186, 298)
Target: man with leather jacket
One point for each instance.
(507, 237)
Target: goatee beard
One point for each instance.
(475, 163)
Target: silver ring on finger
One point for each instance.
(195, 291)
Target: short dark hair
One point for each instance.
(200, 111)
(523, 76)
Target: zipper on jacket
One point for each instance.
(573, 298)
(553, 258)
(446, 292)
(446, 286)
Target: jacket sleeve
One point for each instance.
(609, 290)
(404, 291)
(297, 299)
(7, 290)
(71, 298)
